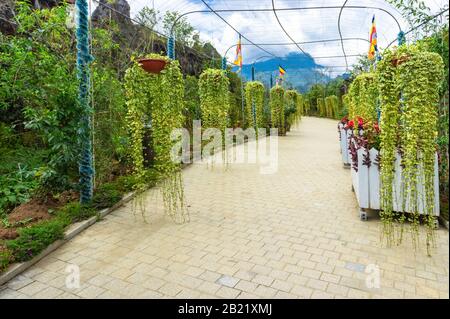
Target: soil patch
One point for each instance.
(34, 211)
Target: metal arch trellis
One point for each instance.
(284, 30)
(305, 42)
(273, 9)
(340, 34)
(215, 12)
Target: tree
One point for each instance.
(148, 17)
(183, 30)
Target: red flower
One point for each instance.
(350, 124)
(360, 121)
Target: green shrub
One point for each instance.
(75, 212)
(126, 183)
(33, 240)
(5, 259)
(106, 195)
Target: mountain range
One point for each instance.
(301, 71)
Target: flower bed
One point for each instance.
(366, 182)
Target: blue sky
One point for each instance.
(302, 25)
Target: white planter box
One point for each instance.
(366, 185)
(344, 138)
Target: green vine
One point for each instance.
(277, 109)
(292, 105)
(363, 95)
(321, 107)
(409, 80)
(155, 102)
(419, 77)
(214, 101)
(332, 106)
(299, 108)
(389, 125)
(254, 97)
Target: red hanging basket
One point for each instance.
(152, 65)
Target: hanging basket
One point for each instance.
(154, 66)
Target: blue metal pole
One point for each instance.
(224, 63)
(171, 47)
(84, 59)
(401, 38)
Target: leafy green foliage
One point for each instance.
(292, 103)
(5, 258)
(157, 100)
(363, 97)
(214, 94)
(277, 107)
(420, 77)
(321, 107)
(18, 167)
(411, 125)
(33, 240)
(182, 30)
(106, 195)
(254, 97)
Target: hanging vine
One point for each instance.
(299, 108)
(389, 125)
(214, 101)
(335, 110)
(254, 97)
(363, 95)
(321, 107)
(409, 81)
(277, 109)
(291, 105)
(419, 76)
(155, 102)
(328, 107)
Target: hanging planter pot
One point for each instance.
(154, 66)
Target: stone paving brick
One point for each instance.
(227, 292)
(91, 292)
(282, 285)
(263, 280)
(301, 291)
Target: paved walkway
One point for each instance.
(295, 234)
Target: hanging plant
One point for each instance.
(155, 102)
(328, 107)
(214, 101)
(291, 105)
(409, 81)
(321, 107)
(300, 107)
(254, 98)
(277, 109)
(389, 125)
(419, 77)
(363, 95)
(335, 110)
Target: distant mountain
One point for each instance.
(301, 71)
